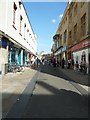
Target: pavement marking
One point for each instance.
(85, 87)
(79, 88)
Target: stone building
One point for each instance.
(76, 24)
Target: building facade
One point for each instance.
(61, 38)
(18, 41)
(77, 20)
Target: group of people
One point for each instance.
(61, 63)
(57, 63)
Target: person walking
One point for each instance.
(63, 62)
(54, 62)
(69, 63)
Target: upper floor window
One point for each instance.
(60, 40)
(70, 17)
(20, 23)
(82, 3)
(70, 37)
(57, 44)
(65, 36)
(27, 34)
(24, 30)
(66, 19)
(14, 13)
(20, 4)
(75, 10)
(75, 32)
(83, 25)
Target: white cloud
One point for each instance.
(60, 16)
(53, 21)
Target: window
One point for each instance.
(27, 34)
(20, 23)
(65, 35)
(60, 40)
(66, 19)
(75, 10)
(70, 17)
(57, 44)
(83, 25)
(14, 13)
(82, 3)
(20, 4)
(75, 32)
(70, 37)
(24, 30)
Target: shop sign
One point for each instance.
(81, 45)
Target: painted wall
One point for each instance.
(6, 25)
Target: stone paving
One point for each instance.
(13, 84)
(78, 77)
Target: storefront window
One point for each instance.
(76, 59)
(83, 58)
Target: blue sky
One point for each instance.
(45, 18)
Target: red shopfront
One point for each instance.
(81, 52)
(81, 45)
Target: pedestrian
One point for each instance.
(72, 62)
(84, 67)
(69, 63)
(81, 66)
(63, 62)
(54, 62)
(57, 63)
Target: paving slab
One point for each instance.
(13, 84)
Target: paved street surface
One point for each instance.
(13, 84)
(55, 97)
(47, 93)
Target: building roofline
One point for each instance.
(28, 17)
(63, 16)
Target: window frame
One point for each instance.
(83, 25)
(20, 30)
(14, 14)
(75, 31)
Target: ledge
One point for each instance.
(14, 27)
(20, 34)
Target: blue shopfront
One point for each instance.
(17, 55)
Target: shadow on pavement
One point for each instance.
(61, 104)
(58, 73)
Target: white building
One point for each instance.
(17, 39)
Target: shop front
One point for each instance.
(81, 54)
(58, 54)
(64, 53)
